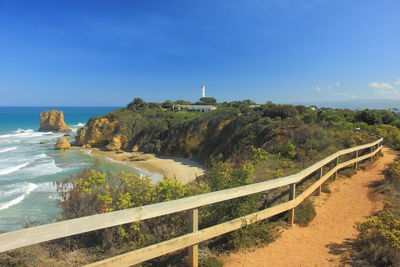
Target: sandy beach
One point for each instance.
(183, 170)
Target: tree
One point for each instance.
(387, 116)
(137, 104)
(370, 117)
(208, 101)
(167, 104)
(182, 102)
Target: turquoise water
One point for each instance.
(29, 164)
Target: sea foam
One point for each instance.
(7, 149)
(46, 187)
(86, 151)
(42, 168)
(24, 131)
(27, 190)
(24, 134)
(13, 168)
(75, 127)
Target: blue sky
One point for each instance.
(99, 53)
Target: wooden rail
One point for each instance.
(35, 235)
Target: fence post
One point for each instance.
(193, 227)
(319, 189)
(371, 149)
(292, 195)
(337, 163)
(356, 164)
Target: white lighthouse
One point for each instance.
(203, 91)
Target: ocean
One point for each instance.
(29, 164)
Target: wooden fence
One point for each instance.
(332, 164)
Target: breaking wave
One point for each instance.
(47, 167)
(75, 127)
(24, 134)
(8, 149)
(26, 190)
(15, 168)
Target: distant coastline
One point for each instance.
(354, 104)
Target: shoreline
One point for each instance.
(156, 167)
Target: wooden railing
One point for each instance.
(35, 235)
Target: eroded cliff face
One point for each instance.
(102, 132)
(197, 141)
(190, 140)
(53, 121)
(118, 142)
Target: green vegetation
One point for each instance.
(241, 143)
(378, 240)
(305, 213)
(294, 132)
(207, 101)
(92, 191)
(210, 262)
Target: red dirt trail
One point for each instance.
(323, 242)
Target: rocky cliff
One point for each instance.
(102, 132)
(53, 121)
(153, 131)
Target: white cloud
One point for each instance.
(380, 85)
(387, 91)
(397, 82)
(338, 84)
(345, 94)
(318, 89)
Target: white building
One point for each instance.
(201, 108)
(194, 108)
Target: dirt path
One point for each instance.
(324, 241)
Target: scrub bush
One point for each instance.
(305, 213)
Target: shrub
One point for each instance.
(253, 234)
(390, 133)
(325, 188)
(91, 191)
(30, 256)
(392, 172)
(348, 172)
(305, 213)
(210, 262)
(225, 175)
(378, 238)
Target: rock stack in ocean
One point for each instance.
(53, 121)
(63, 143)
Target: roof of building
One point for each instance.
(201, 106)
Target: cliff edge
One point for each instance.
(158, 131)
(53, 121)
